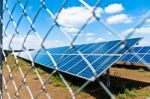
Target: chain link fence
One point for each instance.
(24, 79)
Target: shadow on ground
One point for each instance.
(118, 85)
(132, 66)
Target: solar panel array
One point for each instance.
(95, 59)
(142, 52)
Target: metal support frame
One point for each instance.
(124, 64)
(108, 78)
(106, 89)
(1, 30)
(132, 64)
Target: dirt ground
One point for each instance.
(137, 75)
(123, 81)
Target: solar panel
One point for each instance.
(99, 55)
(142, 52)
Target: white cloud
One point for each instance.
(71, 29)
(143, 43)
(119, 18)
(109, 33)
(114, 8)
(142, 30)
(99, 39)
(90, 34)
(148, 20)
(126, 32)
(90, 39)
(72, 18)
(32, 42)
(94, 39)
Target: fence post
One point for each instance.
(1, 30)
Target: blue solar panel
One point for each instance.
(135, 59)
(136, 49)
(99, 55)
(126, 57)
(146, 58)
(142, 52)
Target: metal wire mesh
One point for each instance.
(17, 78)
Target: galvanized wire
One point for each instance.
(25, 74)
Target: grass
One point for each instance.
(40, 71)
(141, 70)
(54, 79)
(128, 93)
(131, 93)
(36, 78)
(121, 96)
(13, 63)
(57, 81)
(147, 95)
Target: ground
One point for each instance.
(127, 82)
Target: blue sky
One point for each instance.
(121, 15)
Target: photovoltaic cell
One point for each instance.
(142, 52)
(146, 58)
(99, 55)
